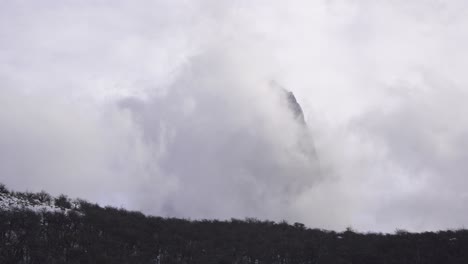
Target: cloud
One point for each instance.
(165, 106)
(231, 143)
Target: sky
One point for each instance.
(166, 106)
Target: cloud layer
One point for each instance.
(165, 106)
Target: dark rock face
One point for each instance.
(305, 144)
(295, 107)
(290, 100)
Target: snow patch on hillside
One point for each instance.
(12, 201)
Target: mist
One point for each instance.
(167, 107)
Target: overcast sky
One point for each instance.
(165, 106)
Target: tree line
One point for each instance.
(89, 233)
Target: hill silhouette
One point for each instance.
(39, 228)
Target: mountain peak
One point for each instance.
(291, 101)
(294, 106)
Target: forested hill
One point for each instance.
(38, 228)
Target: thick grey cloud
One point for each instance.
(234, 152)
(165, 106)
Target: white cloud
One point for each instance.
(164, 106)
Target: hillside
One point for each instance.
(38, 228)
